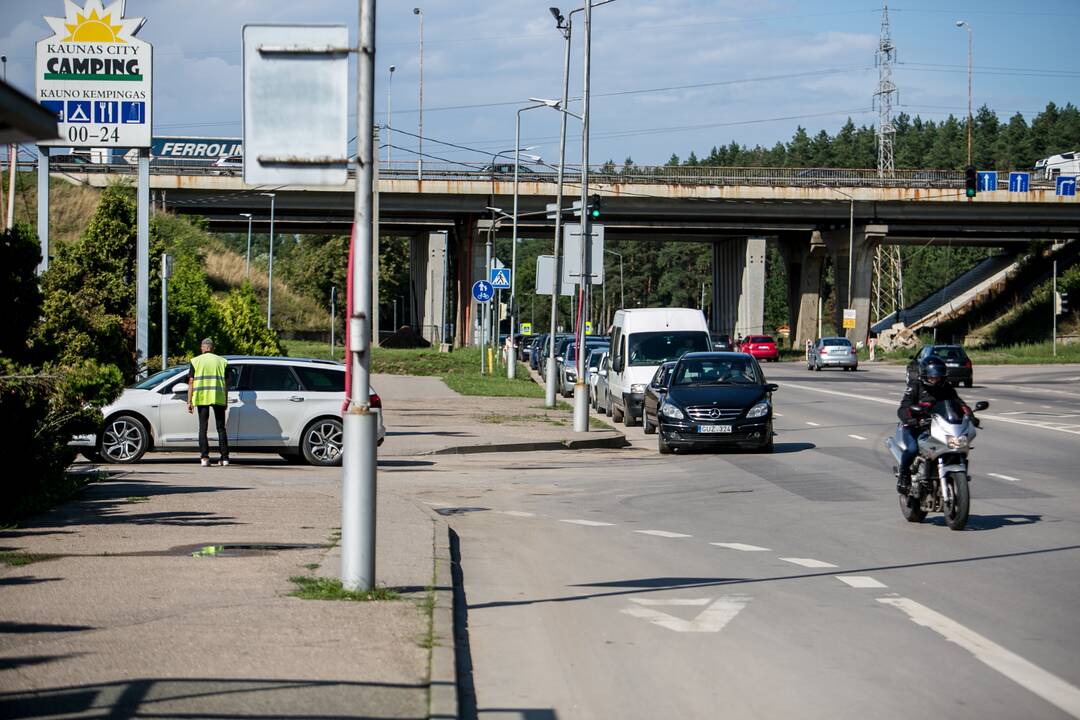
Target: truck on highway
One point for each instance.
(1067, 163)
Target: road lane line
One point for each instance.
(1000, 418)
(517, 513)
(857, 437)
(742, 546)
(813, 424)
(663, 533)
(808, 562)
(1004, 477)
(587, 523)
(860, 581)
(1046, 685)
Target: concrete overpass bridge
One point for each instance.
(812, 214)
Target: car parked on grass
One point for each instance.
(833, 352)
(762, 347)
(288, 406)
(716, 399)
(654, 397)
(957, 363)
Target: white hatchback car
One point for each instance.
(289, 406)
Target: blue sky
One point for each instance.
(668, 77)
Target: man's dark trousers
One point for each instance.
(219, 420)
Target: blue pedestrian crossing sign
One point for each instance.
(1065, 186)
(500, 278)
(1019, 181)
(482, 291)
(987, 181)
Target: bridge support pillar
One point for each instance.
(429, 278)
(738, 282)
(862, 274)
(804, 264)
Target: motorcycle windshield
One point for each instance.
(949, 411)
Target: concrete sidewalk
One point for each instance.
(105, 612)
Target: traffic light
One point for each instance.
(594, 207)
(971, 181)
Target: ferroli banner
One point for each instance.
(96, 76)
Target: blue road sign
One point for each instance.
(78, 111)
(987, 181)
(106, 112)
(1065, 186)
(482, 291)
(56, 107)
(500, 278)
(1018, 181)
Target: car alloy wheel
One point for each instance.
(124, 439)
(322, 442)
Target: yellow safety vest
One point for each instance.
(208, 381)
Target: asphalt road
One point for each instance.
(737, 585)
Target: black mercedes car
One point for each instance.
(716, 399)
(654, 396)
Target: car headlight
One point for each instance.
(637, 389)
(672, 411)
(956, 441)
(759, 410)
(571, 373)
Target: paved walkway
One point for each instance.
(115, 617)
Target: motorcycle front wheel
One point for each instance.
(956, 512)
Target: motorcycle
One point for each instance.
(939, 472)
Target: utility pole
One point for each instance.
(888, 264)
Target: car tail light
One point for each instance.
(375, 400)
(824, 351)
(967, 364)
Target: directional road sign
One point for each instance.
(500, 278)
(1065, 186)
(987, 181)
(1018, 181)
(482, 291)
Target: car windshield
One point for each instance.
(594, 359)
(158, 377)
(759, 339)
(571, 350)
(654, 348)
(715, 371)
(836, 341)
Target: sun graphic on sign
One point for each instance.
(94, 23)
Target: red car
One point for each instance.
(761, 347)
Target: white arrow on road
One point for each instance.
(712, 619)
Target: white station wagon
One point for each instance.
(289, 406)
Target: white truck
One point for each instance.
(642, 339)
(1061, 164)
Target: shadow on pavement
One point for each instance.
(17, 628)
(405, 463)
(991, 522)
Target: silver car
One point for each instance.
(288, 406)
(832, 352)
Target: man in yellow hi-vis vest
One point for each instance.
(208, 388)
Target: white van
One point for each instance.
(642, 340)
(1063, 164)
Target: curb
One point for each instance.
(615, 440)
(443, 697)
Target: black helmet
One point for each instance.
(933, 370)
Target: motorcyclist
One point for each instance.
(923, 392)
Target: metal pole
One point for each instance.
(420, 123)
(1054, 307)
(270, 282)
(485, 323)
(556, 281)
(445, 282)
(247, 258)
(581, 390)
(971, 119)
(142, 264)
(389, 115)
(43, 207)
(13, 159)
(164, 311)
(358, 450)
(851, 250)
(333, 319)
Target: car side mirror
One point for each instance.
(180, 388)
(981, 405)
(617, 365)
(771, 387)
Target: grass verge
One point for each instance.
(319, 588)
(459, 369)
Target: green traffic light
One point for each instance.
(971, 192)
(595, 214)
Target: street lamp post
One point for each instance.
(389, 114)
(270, 281)
(420, 125)
(581, 390)
(970, 120)
(247, 258)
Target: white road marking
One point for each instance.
(857, 437)
(860, 581)
(808, 562)
(588, 523)
(813, 424)
(1044, 407)
(1004, 477)
(775, 414)
(517, 513)
(1071, 429)
(662, 533)
(742, 546)
(712, 619)
(1046, 685)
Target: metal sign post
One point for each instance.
(166, 273)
